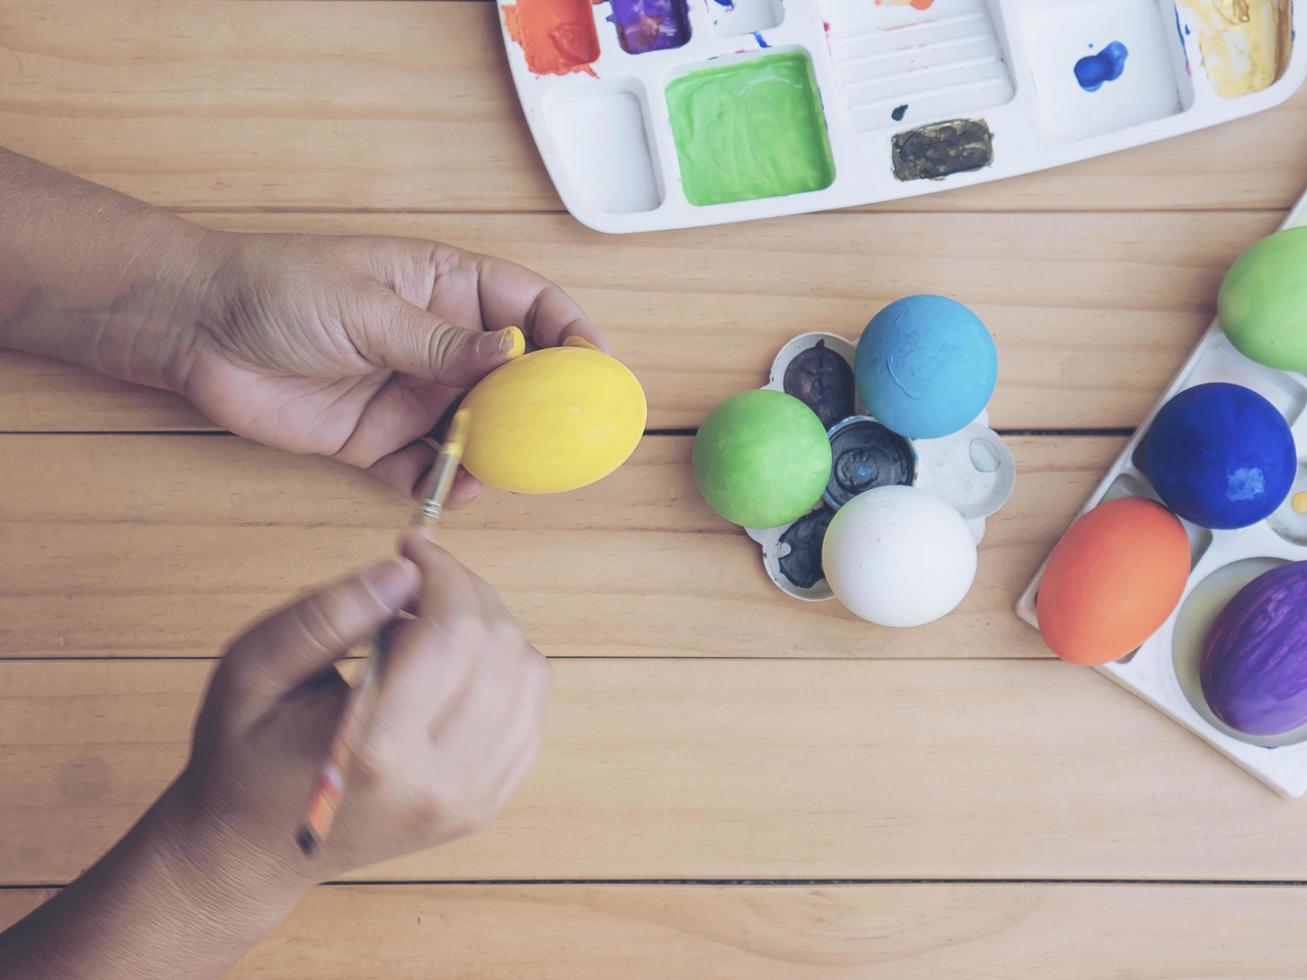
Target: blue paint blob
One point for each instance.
(899, 112)
(1106, 66)
(925, 366)
(757, 36)
(1220, 455)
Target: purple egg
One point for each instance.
(1254, 666)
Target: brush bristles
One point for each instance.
(456, 438)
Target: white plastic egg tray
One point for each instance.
(908, 96)
(972, 469)
(1164, 670)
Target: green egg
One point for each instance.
(1263, 303)
(762, 459)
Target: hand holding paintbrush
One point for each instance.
(451, 727)
(329, 789)
(606, 428)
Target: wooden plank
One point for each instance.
(341, 105)
(410, 106)
(867, 932)
(162, 546)
(41, 395)
(696, 769)
(1093, 313)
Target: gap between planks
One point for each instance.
(380, 883)
(672, 433)
(881, 208)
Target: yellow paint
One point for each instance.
(1245, 43)
(516, 342)
(553, 420)
(1300, 503)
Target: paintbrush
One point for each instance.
(329, 789)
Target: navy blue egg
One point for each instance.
(925, 366)
(1220, 456)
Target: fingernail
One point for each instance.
(391, 581)
(509, 343)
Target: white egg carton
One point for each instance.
(972, 469)
(911, 101)
(1164, 670)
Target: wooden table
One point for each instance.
(735, 785)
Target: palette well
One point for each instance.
(972, 469)
(749, 129)
(654, 114)
(1164, 670)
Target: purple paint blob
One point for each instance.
(1094, 69)
(651, 25)
(1254, 665)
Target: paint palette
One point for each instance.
(654, 114)
(972, 469)
(1164, 669)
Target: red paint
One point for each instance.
(557, 36)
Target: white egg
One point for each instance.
(899, 556)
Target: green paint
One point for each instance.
(761, 458)
(1263, 302)
(750, 129)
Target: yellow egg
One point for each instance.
(553, 420)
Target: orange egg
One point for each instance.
(1112, 581)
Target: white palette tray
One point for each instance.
(903, 100)
(972, 469)
(1164, 670)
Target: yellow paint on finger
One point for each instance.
(516, 342)
(1299, 503)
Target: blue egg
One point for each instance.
(926, 366)
(1220, 455)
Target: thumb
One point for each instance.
(299, 641)
(410, 340)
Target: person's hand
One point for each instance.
(355, 348)
(214, 864)
(456, 724)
